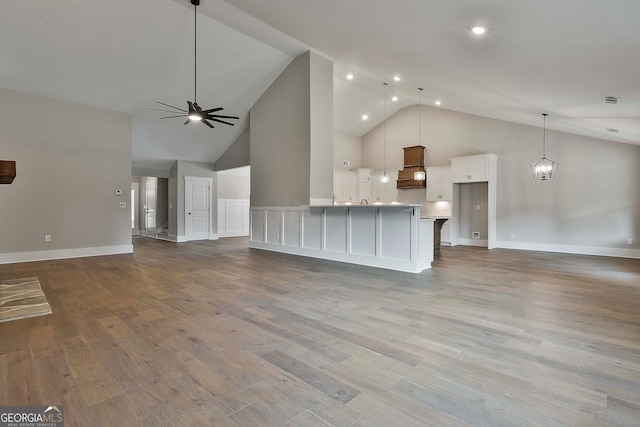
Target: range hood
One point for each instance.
(413, 162)
(7, 171)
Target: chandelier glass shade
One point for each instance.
(544, 169)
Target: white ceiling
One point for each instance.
(556, 57)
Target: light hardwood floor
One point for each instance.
(216, 334)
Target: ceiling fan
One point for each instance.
(195, 113)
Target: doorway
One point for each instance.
(197, 207)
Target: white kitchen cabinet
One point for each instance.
(364, 184)
(470, 169)
(384, 192)
(439, 185)
(345, 186)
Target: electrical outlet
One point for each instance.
(629, 241)
(513, 235)
(346, 163)
(123, 205)
(118, 192)
(47, 237)
(475, 235)
(277, 237)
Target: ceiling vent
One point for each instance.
(610, 99)
(612, 130)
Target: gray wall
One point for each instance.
(474, 211)
(234, 186)
(237, 155)
(346, 147)
(70, 159)
(593, 202)
(284, 136)
(321, 130)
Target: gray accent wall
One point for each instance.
(593, 203)
(346, 147)
(237, 155)
(70, 160)
(285, 140)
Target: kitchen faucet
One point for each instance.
(364, 202)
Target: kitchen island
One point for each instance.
(390, 236)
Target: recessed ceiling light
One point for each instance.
(394, 98)
(350, 76)
(478, 31)
(365, 117)
(438, 102)
(396, 78)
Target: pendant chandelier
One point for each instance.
(384, 178)
(544, 169)
(419, 175)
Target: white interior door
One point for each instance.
(135, 223)
(197, 220)
(150, 205)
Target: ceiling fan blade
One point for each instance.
(222, 117)
(207, 123)
(157, 109)
(171, 117)
(212, 110)
(167, 105)
(220, 121)
(188, 121)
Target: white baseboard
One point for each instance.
(178, 239)
(181, 239)
(570, 249)
(472, 242)
(10, 258)
(234, 234)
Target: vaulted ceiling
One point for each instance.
(538, 56)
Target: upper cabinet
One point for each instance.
(470, 169)
(345, 186)
(364, 184)
(384, 192)
(439, 185)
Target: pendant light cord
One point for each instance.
(419, 116)
(544, 135)
(195, 54)
(384, 132)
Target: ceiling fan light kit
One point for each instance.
(195, 113)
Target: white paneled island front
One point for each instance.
(386, 236)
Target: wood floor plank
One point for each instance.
(215, 333)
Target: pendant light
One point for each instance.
(384, 178)
(419, 175)
(544, 169)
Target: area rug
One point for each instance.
(22, 298)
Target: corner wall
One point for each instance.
(69, 162)
(292, 123)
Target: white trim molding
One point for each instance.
(10, 258)
(392, 237)
(571, 249)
